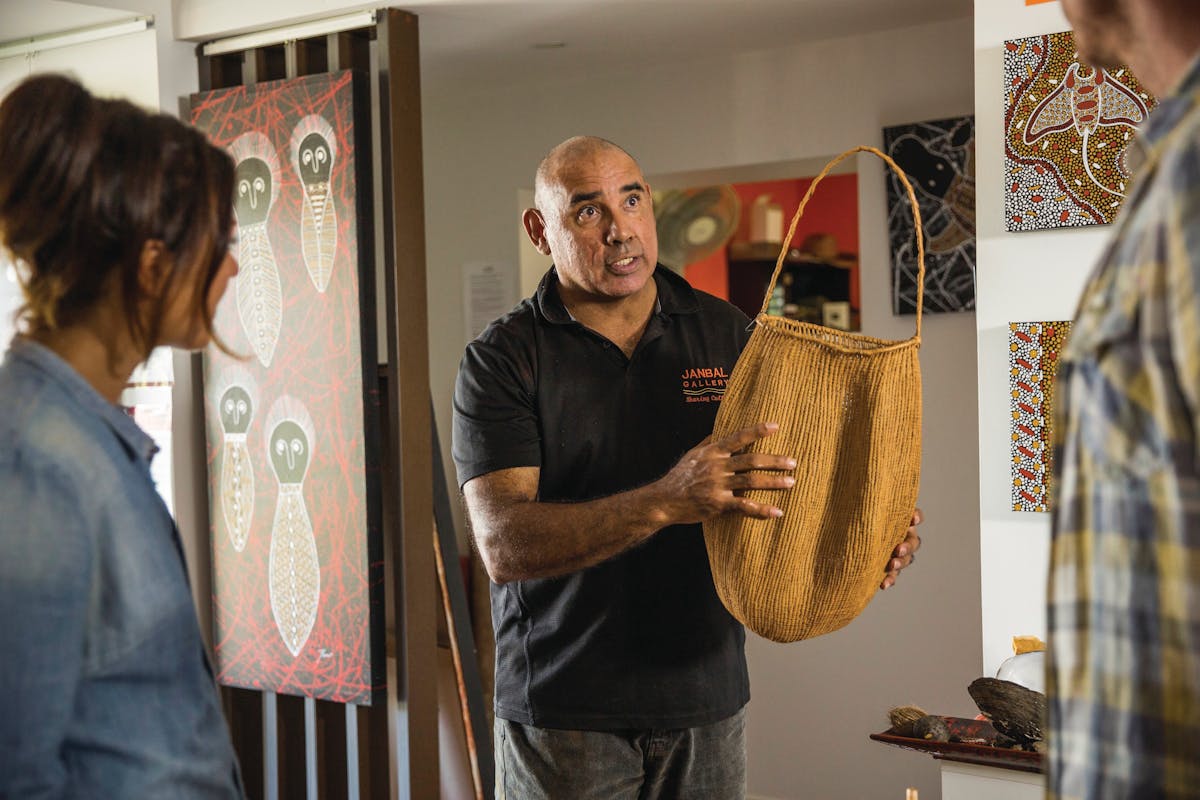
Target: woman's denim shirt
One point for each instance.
(105, 686)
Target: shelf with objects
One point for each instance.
(1000, 753)
(816, 284)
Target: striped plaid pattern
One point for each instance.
(1123, 675)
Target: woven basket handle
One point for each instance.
(916, 212)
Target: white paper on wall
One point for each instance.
(487, 294)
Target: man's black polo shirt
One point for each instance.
(641, 640)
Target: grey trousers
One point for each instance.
(703, 763)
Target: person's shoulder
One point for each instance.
(713, 307)
(507, 345)
(29, 403)
(42, 430)
(1178, 172)
(1182, 151)
(515, 326)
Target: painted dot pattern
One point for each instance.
(1067, 130)
(1034, 348)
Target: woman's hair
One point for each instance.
(86, 183)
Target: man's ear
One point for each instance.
(153, 267)
(535, 228)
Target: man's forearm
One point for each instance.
(521, 538)
(532, 539)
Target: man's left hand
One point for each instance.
(905, 552)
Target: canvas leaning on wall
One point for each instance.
(292, 425)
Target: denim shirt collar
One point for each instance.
(136, 442)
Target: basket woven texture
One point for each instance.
(849, 411)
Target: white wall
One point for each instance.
(1022, 277)
(814, 703)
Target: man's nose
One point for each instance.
(618, 232)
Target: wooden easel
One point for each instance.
(462, 642)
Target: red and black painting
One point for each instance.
(292, 423)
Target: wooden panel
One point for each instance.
(220, 72)
(349, 50)
(243, 710)
(290, 736)
(331, 745)
(311, 56)
(416, 746)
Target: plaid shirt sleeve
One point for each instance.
(1183, 265)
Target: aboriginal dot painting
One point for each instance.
(292, 422)
(939, 159)
(1068, 128)
(1033, 361)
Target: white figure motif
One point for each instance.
(235, 395)
(1088, 102)
(293, 569)
(259, 294)
(313, 151)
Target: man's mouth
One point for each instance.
(624, 264)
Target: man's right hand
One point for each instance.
(710, 478)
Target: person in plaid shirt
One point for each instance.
(1123, 674)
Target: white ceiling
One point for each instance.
(460, 39)
(463, 40)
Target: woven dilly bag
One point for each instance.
(849, 411)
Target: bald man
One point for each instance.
(586, 472)
(1123, 677)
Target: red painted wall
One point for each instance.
(832, 209)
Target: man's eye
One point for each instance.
(633, 201)
(587, 212)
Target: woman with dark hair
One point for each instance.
(119, 222)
